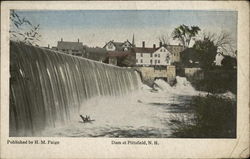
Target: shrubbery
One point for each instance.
(212, 117)
(217, 81)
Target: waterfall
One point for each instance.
(182, 86)
(48, 88)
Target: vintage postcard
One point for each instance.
(125, 79)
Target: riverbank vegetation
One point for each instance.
(216, 81)
(210, 117)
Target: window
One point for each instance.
(151, 61)
(110, 46)
(151, 55)
(141, 61)
(158, 55)
(155, 61)
(155, 55)
(158, 61)
(164, 50)
(141, 54)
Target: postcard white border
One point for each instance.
(102, 147)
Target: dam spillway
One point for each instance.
(48, 88)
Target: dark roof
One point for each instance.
(96, 50)
(69, 45)
(118, 53)
(98, 54)
(118, 45)
(128, 42)
(175, 48)
(170, 48)
(144, 50)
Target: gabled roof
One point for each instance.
(118, 53)
(69, 45)
(144, 50)
(128, 42)
(171, 48)
(118, 45)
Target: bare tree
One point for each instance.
(165, 39)
(21, 29)
(223, 40)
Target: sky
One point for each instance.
(97, 27)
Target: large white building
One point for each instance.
(160, 56)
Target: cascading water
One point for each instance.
(143, 113)
(182, 86)
(48, 88)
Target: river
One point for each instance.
(145, 113)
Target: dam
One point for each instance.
(48, 88)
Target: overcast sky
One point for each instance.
(96, 27)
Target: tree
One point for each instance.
(190, 58)
(207, 52)
(185, 34)
(228, 62)
(22, 30)
(165, 39)
(223, 40)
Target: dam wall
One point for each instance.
(48, 88)
(149, 74)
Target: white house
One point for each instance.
(162, 56)
(176, 52)
(118, 46)
(219, 57)
(152, 56)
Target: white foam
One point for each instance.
(133, 111)
(228, 94)
(182, 87)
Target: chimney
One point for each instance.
(61, 39)
(154, 46)
(143, 44)
(78, 40)
(160, 44)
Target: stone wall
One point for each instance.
(149, 74)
